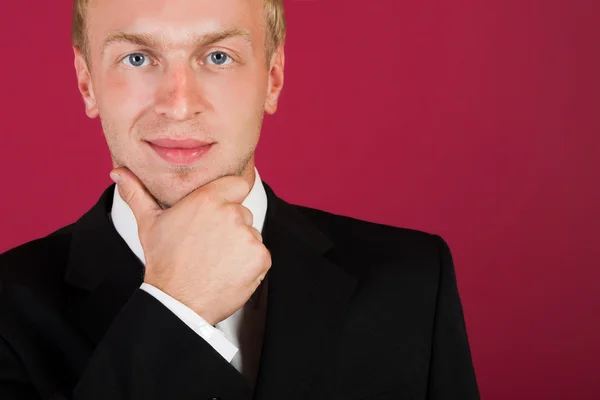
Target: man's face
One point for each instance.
(179, 69)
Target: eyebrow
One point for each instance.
(150, 41)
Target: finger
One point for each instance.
(259, 279)
(247, 215)
(230, 189)
(134, 193)
(256, 234)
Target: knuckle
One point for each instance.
(244, 185)
(232, 213)
(253, 236)
(248, 216)
(129, 196)
(265, 256)
(248, 237)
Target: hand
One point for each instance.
(203, 251)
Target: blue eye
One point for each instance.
(219, 58)
(136, 60)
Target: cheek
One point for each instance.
(125, 96)
(237, 100)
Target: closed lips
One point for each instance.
(179, 143)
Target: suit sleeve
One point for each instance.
(147, 353)
(451, 372)
(195, 322)
(14, 380)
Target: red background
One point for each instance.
(476, 120)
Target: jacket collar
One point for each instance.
(97, 250)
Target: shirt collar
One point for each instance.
(126, 225)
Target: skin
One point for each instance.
(179, 91)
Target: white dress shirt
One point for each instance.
(234, 338)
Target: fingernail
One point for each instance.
(116, 177)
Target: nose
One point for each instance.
(179, 96)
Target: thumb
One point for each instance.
(134, 193)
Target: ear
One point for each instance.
(275, 83)
(84, 83)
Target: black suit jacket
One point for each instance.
(356, 310)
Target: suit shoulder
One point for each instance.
(384, 257)
(349, 228)
(38, 259)
(369, 243)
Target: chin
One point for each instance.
(169, 200)
(169, 193)
(170, 186)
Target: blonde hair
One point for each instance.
(274, 12)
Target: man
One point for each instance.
(193, 280)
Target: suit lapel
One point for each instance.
(102, 268)
(307, 297)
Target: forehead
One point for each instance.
(174, 19)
